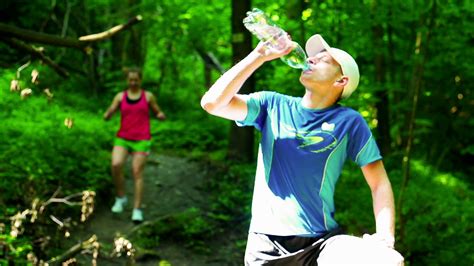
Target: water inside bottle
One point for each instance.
(266, 30)
(297, 58)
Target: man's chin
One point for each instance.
(304, 80)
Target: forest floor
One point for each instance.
(172, 185)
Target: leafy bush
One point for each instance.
(193, 132)
(46, 145)
(438, 210)
(18, 255)
(354, 202)
(40, 152)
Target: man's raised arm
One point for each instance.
(222, 98)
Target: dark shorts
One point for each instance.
(285, 250)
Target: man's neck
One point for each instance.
(316, 100)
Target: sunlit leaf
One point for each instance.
(14, 85)
(25, 93)
(34, 76)
(48, 93)
(68, 122)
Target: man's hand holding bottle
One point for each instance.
(269, 51)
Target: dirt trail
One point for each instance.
(172, 184)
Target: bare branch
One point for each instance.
(56, 220)
(36, 52)
(56, 192)
(21, 69)
(89, 244)
(37, 37)
(44, 38)
(111, 32)
(65, 200)
(210, 60)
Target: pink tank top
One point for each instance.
(135, 119)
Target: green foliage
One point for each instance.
(232, 195)
(353, 202)
(438, 208)
(40, 153)
(193, 134)
(190, 227)
(21, 246)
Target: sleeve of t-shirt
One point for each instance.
(257, 109)
(362, 147)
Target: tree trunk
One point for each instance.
(294, 10)
(393, 77)
(135, 48)
(118, 46)
(303, 6)
(117, 49)
(241, 139)
(127, 47)
(421, 49)
(93, 74)
(382, 105)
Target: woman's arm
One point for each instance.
(114, 106)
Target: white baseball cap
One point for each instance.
(349, 67)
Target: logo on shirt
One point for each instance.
(328, 127)
(315, 141)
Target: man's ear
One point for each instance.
(342, 81)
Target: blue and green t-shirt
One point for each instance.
(300, 158)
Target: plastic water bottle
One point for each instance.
(265, 29)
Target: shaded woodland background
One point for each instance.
(416, 61)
